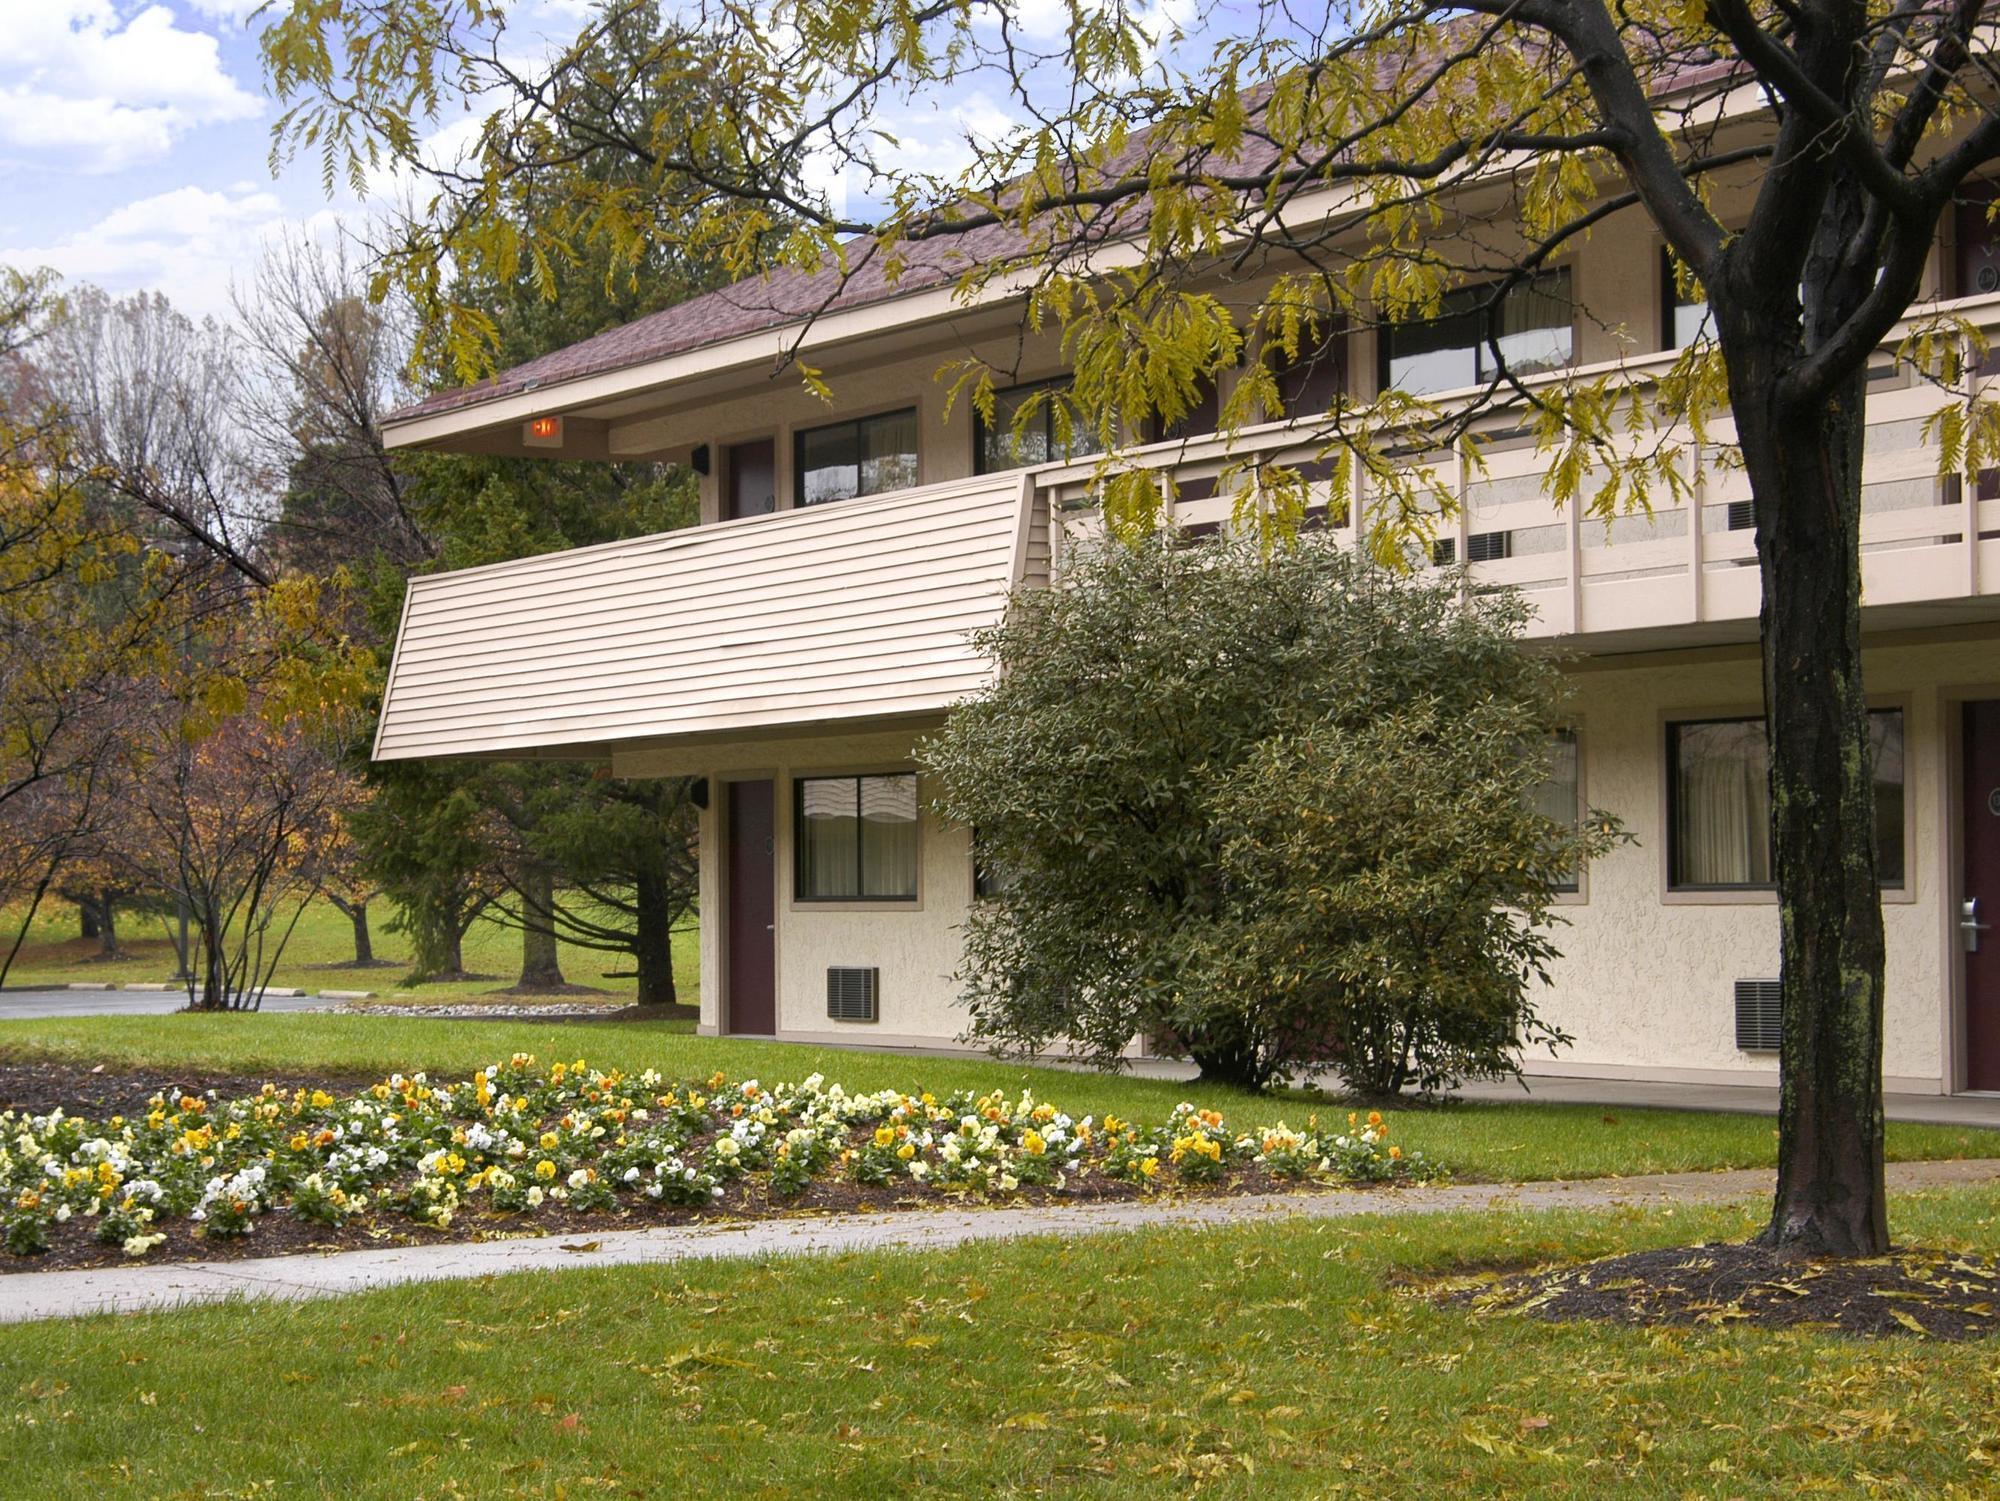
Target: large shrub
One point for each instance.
(1277, 808)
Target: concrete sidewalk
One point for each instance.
(1740, 1099)
(137, 1288)
(43, 1005)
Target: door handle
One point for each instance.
(1970, 925)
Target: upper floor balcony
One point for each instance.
(860, 611)
(1684, 573)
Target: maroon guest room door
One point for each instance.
(750, 1001)
(1979, 910)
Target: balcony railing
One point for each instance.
(1928, 544)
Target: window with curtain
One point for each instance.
(1719, 803)
(845, 460)
(856, 838)
(1203, 413)
(1558, 798)
(1683, 314)
(1008, 443)
(1535, 331)
(1309, 385)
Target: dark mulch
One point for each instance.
(78, 1089)
(1914, 1290)
(360, 964)
(98, 1093)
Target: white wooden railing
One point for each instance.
(1689, 564)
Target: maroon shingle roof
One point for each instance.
(789, 296)
(771, 301)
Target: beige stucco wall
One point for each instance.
(914, 944)
(1645, 984)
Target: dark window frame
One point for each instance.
(1673, 807)
(855, 426)
(1384, 337)
(982, 430)
(799, 892)
(1670, 303)
(987, 883)
(1572, 884)
(1322, 360)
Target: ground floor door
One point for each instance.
(1979, 910)
(750, 1000)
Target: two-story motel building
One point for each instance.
(792, 647)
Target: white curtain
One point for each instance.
(1723, 805)
(1536, 324)
(889, 837)
(828, 834)
(858, 836)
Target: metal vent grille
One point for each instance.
(1758, 1016)
(850, 994)
(1742, 515)
(1489, 547)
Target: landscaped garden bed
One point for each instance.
(219, 1167)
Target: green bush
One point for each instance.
(1277, 807)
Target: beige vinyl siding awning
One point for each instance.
(851, 611)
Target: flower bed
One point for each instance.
(517, 1143)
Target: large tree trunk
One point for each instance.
(440, 942)
(1805, 472)
(86, 918)
(541, 964)
(653, 941)
(356, 914)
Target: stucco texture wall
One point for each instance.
(914, 944)
(1646, 981)
(1645, 984)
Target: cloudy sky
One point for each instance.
(135, 137)
(133, 145)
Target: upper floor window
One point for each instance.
(1719, 803)
(865, 456)
(1310, 383)
(857, 838)
(1977, 264)
(1009, 443)
(1200, 418)
(1683, 314)
(1534, 325)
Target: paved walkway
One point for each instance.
(27, 1005)
(1741, 1099)
(130, 1289)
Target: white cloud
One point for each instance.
(186, 243)
(225, 10)
(89, 89)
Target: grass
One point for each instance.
(1276, 1360)
(53, 954)
(1481, 1140)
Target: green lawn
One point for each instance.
(1488, 1141)
(54, 955)
(1277, 1360)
